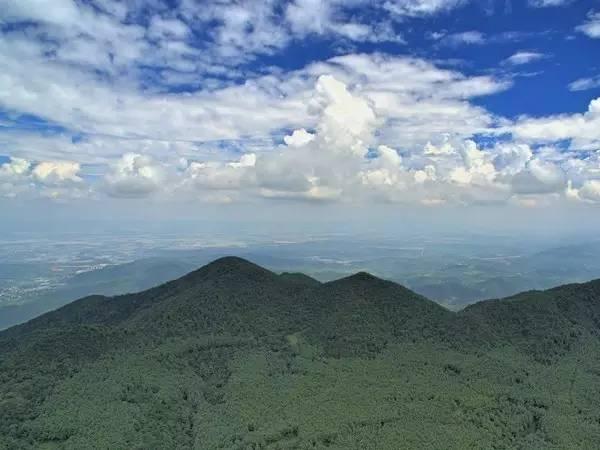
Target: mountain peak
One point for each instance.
(360, 278)
(232, 266)
(232, 262)
(366, 276)
(371, 286)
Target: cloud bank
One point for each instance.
(136, 107)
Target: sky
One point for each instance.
(188, 107)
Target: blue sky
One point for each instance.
(400, 102)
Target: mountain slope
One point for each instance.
(547, 323)
(235, 356)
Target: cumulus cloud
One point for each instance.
(344, 159)
(418, 101)
(57, 172)
(225, 176)
(134, 175)
(338, 162)
(54, 179)
(319, 165)
(590, 190)
(587, 192)
(539, 177)
(15, 167)
(14, 177)
(298, 138)
(511, 158)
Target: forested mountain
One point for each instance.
(234, 356)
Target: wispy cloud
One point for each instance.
(524, 57)
(462, 38)
(421, 8)
(548, 3)
(474, 37)
(583, 84)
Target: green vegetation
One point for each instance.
(233, 356)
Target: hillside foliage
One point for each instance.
(233, 356)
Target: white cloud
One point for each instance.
(524, 57)
(298, 138)
(309, 16)
(583, 84)
(81, 102)
(229, 176)
(57, 172)
(50, 173)
(322, 166)
(319, 17)
(463, 38)
(14, 168)
(583, 130)
(14, 177)
(445, 148)
(548, 3)
(54, 179)
(511, 158)
(418, 100)
(50, 11)
(418, 8)
(474, 37)
(539, 177)
(591, 27)
(134, 175)
(163, 28)
(347, 121)
(344, 159)
(391, 128)
(365, 101)
(334, 163)
(590, 191)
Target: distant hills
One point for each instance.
(111, 280)
(235, 356)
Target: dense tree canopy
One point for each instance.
(234, 356)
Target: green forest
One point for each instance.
(233, 356)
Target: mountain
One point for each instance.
(549, 323)
(235, 356)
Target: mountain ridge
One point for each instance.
(229, 268)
